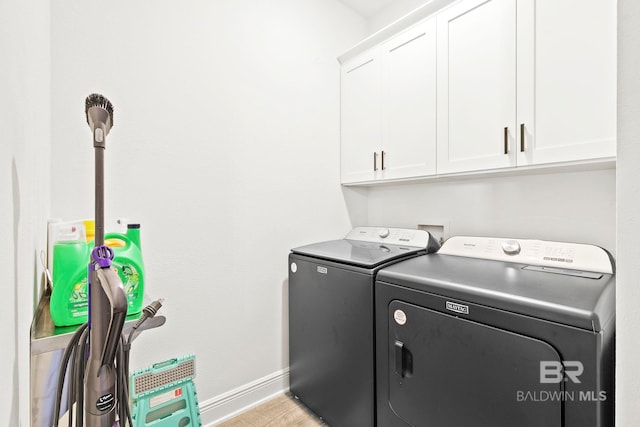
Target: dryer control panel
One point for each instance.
(391, 236)
(570, 256)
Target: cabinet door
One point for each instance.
(476, 86)
(409, 103)
(360, 118)
(566, 80)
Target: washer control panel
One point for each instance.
(572, 256)
(391, 236)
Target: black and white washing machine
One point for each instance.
(331, 319)
(496, 332)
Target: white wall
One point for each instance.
(24, 192)
(395, 10)
(573, 207)
(224, 146)
(628, 199)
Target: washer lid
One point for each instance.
(371, 246)
(356, 252)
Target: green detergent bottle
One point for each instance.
(69, 298)
(128, 261)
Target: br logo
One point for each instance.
(552, 372)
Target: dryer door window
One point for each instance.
(448, 371)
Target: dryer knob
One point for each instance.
(384, 232)
(511, 247)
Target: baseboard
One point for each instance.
(227, 405)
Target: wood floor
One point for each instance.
(283, 411)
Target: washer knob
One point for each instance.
(384, 232)
(511, 247)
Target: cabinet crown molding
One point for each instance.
(429, 8)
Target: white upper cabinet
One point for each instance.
(476, 86)
(566, 80)
(360, 118)
(481, 85)
(409, 103)
(525, 83)
(388, 108)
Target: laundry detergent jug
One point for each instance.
(128, 261)
(69, 298)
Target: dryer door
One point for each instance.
(448, 371)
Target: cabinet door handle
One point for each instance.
(375, 161)
(506, 140)
(522, 137)
(382, 160)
